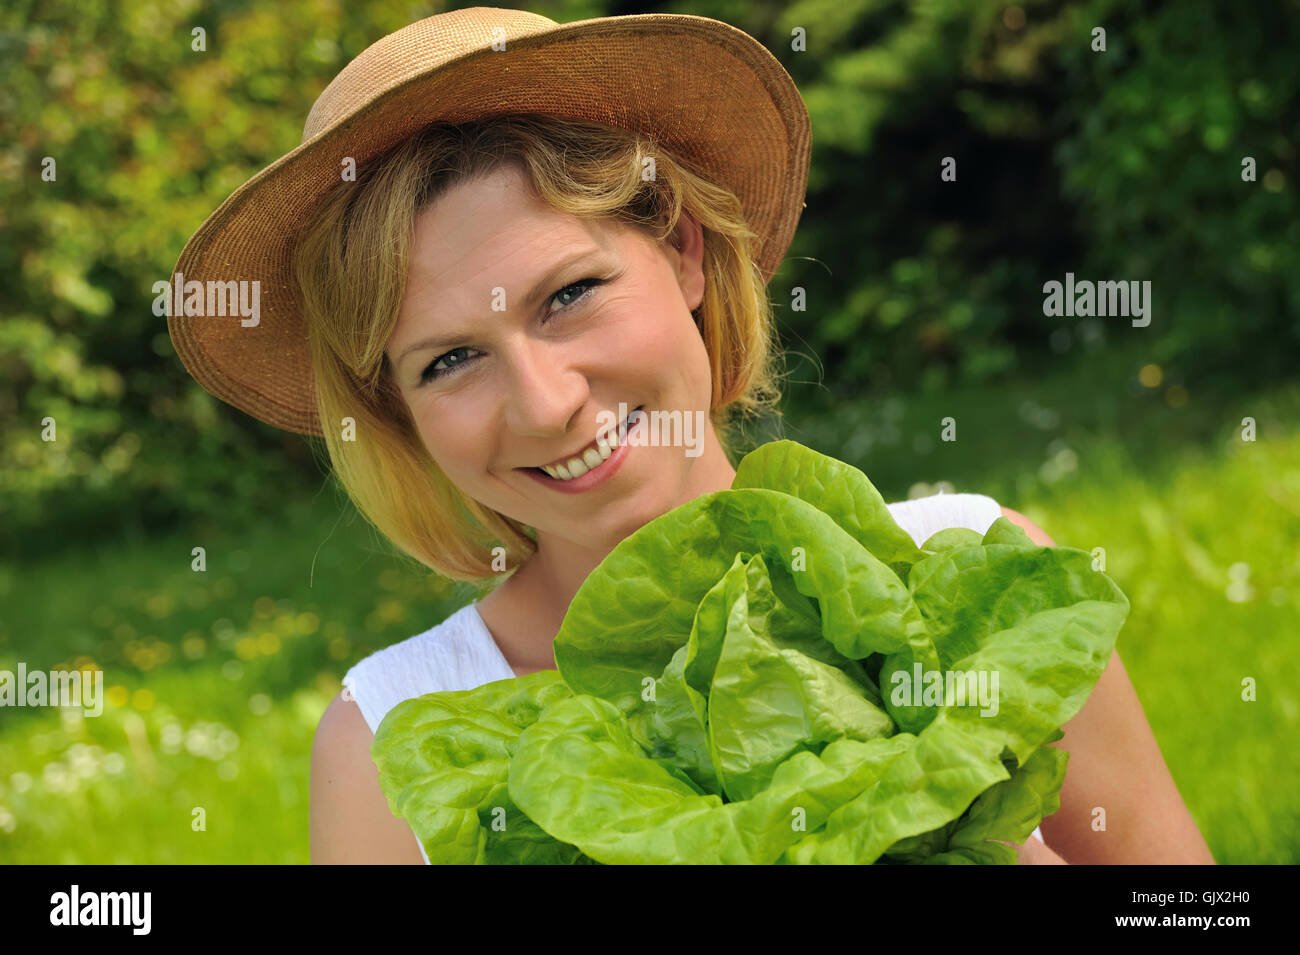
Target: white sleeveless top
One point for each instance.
(460, 653)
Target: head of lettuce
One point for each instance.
(773, 673)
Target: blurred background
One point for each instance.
(924, 300)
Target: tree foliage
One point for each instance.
(1122, 164)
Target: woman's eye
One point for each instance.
(432, 370)
(587, 284)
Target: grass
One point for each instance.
(215, 682)
(218, 678)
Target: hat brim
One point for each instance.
(707, 91)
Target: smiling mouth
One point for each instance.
(622, 427)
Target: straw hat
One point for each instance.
(708, 92)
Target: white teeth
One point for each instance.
(591, 459)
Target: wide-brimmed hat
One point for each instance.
(706, 91)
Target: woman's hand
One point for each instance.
(1035, 852)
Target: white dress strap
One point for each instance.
(926, 516)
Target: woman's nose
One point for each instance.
(545, 390)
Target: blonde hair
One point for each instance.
(350, 264)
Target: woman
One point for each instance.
(484, 297)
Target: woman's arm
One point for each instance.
(349, 821)
(1115, 765)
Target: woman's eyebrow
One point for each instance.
(539, 288)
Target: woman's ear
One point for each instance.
(688, 244)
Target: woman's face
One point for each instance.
(520, 326)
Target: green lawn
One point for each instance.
(218, 678)
(215, 682)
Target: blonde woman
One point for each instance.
(502, 249)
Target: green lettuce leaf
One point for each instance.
(443, 760)
(863, 606)
(1039, 620)
(1007, 812)
(837, 489)
(582, 777)
(767, 702)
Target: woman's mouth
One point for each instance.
(597, 463)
